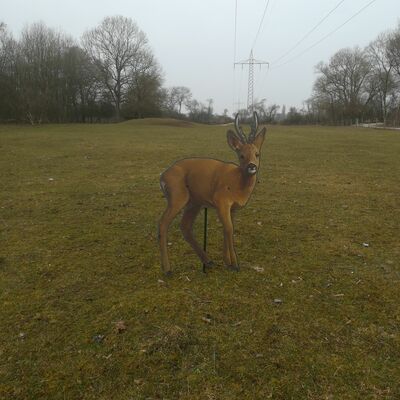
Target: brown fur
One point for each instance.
(193, 183)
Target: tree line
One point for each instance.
(356, 86)
(112, 74)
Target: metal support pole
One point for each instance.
(205, 236)
(251, 61)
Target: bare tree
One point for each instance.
(266, 113)
(260, 107)
(117, 46)
(83, 88)
(271, 112)
(182, 95)
(381, 79)
(9, 94)
(171, 100)
(393, 49)
(210, 109)
(144, 92)
(342, 82)
(177, 96)
(200, 112)
(7, 45)
(39, 67)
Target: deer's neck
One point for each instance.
(247, 183)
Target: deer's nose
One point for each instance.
(252, 168)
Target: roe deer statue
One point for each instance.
(194, 183)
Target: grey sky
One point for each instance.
(194, 40)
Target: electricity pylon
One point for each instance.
(251, 61)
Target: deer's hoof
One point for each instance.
(210, 264)
(168, 274)
(234, 268)
(207, 266)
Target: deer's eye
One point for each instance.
(242, 156)
(257, 155)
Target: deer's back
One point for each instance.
(202, 177)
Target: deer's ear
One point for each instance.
(234, 142)
(259, 139)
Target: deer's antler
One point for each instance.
(239, 130)
(253, 132)
(254, 127)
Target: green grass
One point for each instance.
(78, 217)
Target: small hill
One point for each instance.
(161, 122)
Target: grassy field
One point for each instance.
(86, 313)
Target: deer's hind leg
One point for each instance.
(177, 195)
(188, 218)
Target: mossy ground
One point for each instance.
(79, 212)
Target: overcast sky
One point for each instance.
(194, 40)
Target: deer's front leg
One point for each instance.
(230, 259)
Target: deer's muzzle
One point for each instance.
(251, 169)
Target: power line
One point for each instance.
(251, 61)
(326, 36)
(261, 22)
(234, 58)
(234, 40)
(260, 86)
(309, 32)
